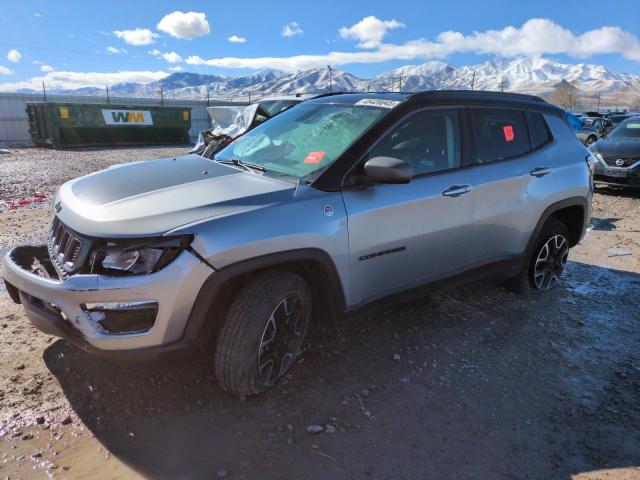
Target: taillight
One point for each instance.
(591, 163)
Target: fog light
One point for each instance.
(124, 317)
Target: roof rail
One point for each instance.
(480, 94)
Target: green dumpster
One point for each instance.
(80, 125)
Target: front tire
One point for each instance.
(263, 332)
(590, 140)
(547, 263)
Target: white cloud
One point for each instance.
(292, 29)
(111, 49)
(177, 68)
(540, 36)
(39, 15)
(185, 26)
(37, 62)
(5, 70)
(170, 57)
(534, 38)
(47, 68)
(369, 31)
(71, 80)
(137, 36)
(14, 55)
(237, 39)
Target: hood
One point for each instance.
(152, 197)
(617, 148)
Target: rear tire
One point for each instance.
(547, 262)
(590, 140)
(263, 332)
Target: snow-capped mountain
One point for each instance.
(538, 76)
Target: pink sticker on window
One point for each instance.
(508, 133)
(314, 157)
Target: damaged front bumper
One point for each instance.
(104, 314)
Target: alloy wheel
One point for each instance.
(550, 262)
(281, 338)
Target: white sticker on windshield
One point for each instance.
(633, 125)
(378, 102)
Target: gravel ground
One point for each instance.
(28, 171)
(474, 382)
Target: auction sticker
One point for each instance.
(328, 210)
(378, 102)
(509, 135)
(314, 157)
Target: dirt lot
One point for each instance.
(469, 383)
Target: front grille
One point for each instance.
(627, 162)
(67, 249)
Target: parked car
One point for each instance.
(601, 125)
(617, 118)
(230, 121)
(323, 209)
(586, 134)
(618, 155)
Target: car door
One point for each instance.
(511, 180)
(405, 235)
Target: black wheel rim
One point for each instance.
(281, 338)
(550, 262)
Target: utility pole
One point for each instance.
(473, 80)
(161, 96)
(400, 83)
(44, 92)
(207, 95)
(108, 99)
(599, 97)
(502, 85)
(330, 78)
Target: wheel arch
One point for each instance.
(572, 212)
(217, 292)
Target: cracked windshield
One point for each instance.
(303, 139)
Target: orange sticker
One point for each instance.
(508, 133)
(314, 157)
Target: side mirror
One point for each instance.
(387, 170)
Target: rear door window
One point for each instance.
(498, 133)
(538, 128)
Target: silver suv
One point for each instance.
(324, 208)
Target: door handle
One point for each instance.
(456, 190)
(540, 171)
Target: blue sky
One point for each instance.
(43, 39)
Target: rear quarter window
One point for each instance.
(498, 133)
(538, 129)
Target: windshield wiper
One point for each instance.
(244, 165)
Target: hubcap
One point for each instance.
(281, 338)
(550, 262)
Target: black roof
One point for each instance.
(353, 97)
(443, 97)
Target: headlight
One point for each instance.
(137, 256)
(598, 157)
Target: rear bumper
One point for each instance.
(59, 307)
